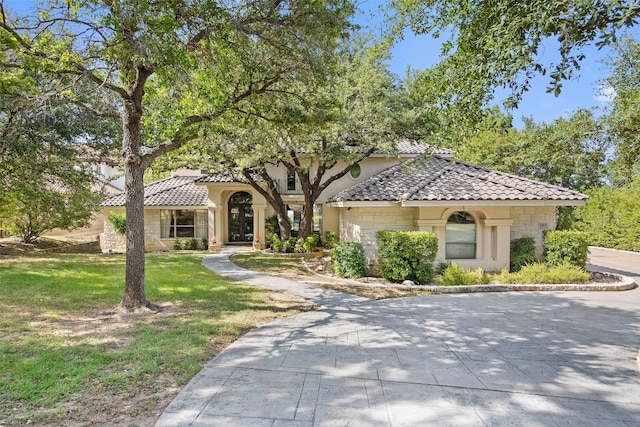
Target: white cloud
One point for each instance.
(606, 94)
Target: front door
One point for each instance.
(240, 218)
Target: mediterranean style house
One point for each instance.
(475, 212)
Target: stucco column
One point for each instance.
(436, 226)
(211, 223)
(215, 218)
(485, 251)
(503, 241)
(219, 235)
(259, 215)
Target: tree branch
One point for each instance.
(346, 170)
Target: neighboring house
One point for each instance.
(110, 180)
(475, 212)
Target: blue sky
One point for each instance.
(422, 51)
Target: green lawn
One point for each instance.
(68, 357)
(269, 263)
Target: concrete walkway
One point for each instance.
(530, 358)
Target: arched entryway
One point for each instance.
(240, 217)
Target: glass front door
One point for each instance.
(240, 218)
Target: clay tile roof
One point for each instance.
(218, 178)
(174, 191)
(442, 179)
(407, 146)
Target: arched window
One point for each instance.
(461, 236)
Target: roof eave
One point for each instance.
(417, 203)
(361, 203)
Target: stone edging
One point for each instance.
(624, 283)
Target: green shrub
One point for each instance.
(612, 216)
(190, 244)
(276, 244)
(566, 246)
(205, 243)
(539, 273)
(406, 255)
(330, 239)
(523, 252)
(454, 275)
(290, 245)
(348, 260)
(271, 227)
(177, 245)
(118, 222)
(311, 243)
(441, 267)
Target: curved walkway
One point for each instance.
(535, 358)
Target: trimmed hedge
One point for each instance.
(348, 260)
(406, 255)
(566, 247)
(523, 252)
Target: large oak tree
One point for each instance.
(319, 129)
(176, 66)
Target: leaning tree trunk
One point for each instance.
(273, 197)
(134, 289)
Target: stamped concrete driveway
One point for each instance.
(469, 359)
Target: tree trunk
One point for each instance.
(284, 225)
(306, 221)
(273, 197)
(311, 194)
(134, 289)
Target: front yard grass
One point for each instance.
(270, 263)
(68, 357)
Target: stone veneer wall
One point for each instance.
(79, 248)
(532, 221)
(361, 224)
(113, 242)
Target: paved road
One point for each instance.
(470, 359)
(621, 262)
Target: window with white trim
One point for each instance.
(182, 223)
(460, 236)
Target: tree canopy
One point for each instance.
(623, 116)
(489, 45)
(318, 129)
(45, 148)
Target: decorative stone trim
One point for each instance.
(624, 283)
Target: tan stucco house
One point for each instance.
(475, 212)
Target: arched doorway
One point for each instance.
(240, 217)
